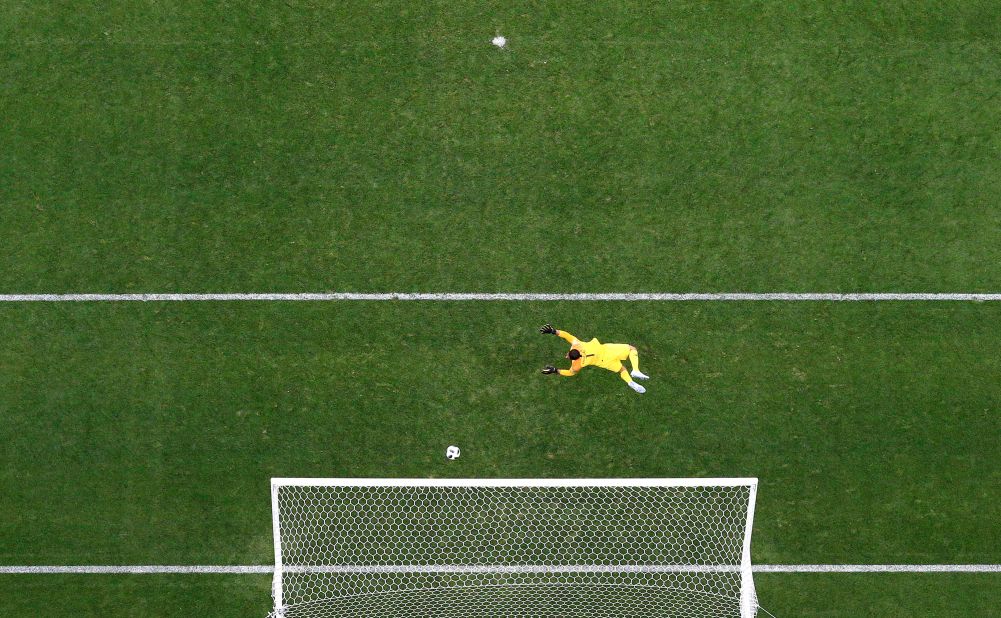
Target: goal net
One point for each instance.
(575, 548)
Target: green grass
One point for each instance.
(138, 596)
(615, 146)
(147, 433)
(941, 595)
(239, 596)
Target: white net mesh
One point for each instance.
(516, 551)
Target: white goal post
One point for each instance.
(513, 548)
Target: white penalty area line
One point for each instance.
(268, 569)
(530, 297)
(876, 568)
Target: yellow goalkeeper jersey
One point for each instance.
(594, 353)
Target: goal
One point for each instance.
(513, 548)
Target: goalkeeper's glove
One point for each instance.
(548, 369)
(548, 330)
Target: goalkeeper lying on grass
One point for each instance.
(605, 355)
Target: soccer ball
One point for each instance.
(452, 452)
(499, 41)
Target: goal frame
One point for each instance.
(747, 602)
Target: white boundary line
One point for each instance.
(877, 568)
(533, 297)
(134, 569)
(269, 569)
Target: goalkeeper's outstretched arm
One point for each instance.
(549, 370)
(562, 334)
(549, 330)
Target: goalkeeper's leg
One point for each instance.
(634, 360)
(628, 380)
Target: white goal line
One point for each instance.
(530, 296)
(268, 569)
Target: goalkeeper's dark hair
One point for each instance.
(573, 354)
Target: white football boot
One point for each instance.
(636, 387)
(636, 373)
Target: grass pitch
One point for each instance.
(303, 146)
(870, 425)
(307, 146)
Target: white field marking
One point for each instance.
(481, 483)
(134, 569)
(877, 568)
(530, 296)
(268, 569)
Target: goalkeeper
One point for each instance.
(605, 355)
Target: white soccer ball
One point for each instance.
(452, 452)
(499, 41)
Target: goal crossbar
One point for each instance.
(520, 568)
(584, 482)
